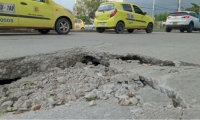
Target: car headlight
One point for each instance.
(68, 10)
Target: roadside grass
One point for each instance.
(2, 112)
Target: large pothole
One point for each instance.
(54, 79)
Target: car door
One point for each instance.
(139, 17)
(8, 13)
(35, 13)
(196, 20)
(128, 15)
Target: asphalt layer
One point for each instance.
(166, 46)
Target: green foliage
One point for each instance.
(84, 18)
(194, 8)
(87, 8)
(161, 16)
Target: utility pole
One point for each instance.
(153, 9)
(179, 5)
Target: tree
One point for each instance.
(87, 7)
(194, 8)
(161, 16)
(84, 18)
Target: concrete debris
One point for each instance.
(92, 103)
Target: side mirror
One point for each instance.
(144, 13)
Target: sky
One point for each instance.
(160, 5)
(163, 5)
(66, 3)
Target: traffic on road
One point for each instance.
(47, 15)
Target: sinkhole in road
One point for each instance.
(67, 61)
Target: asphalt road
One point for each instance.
(166, 46)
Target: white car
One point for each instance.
(184, 21)
(89, 26)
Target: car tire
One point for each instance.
(100, 30)
(82, 28)
(130, 30)
(119, 29)
(182, 31)
(167, 29)
(149, 28)
(190, 28)
(62, 26)
(44, 31)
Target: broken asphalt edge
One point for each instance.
(27, 65)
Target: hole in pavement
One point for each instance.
(8, 81)
(87, 59)
(124, 58)
(147, 60)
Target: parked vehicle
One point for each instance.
(120, 16)
(42, 15)
(184, 21)
(79, 24)
(89, 26)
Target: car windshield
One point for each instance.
(179, 14)
(106, 7)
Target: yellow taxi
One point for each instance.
(79, 24)
(120, 16)
(42, 15)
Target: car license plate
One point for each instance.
(77, 26)
(7, 7)
(102, 24)
(175, 23)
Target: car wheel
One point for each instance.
(82, 28)
(119, 29)
(190, 28)
(149, 28)
(63, 26)
(100, 30)
(130, 30)
(181, 30)
(43, 31)
(167, 29)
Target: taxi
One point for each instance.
(41, 15)
(79, 24)
(120, 16)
